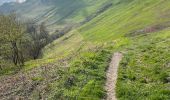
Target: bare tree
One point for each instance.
(39, 37)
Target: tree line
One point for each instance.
(21, 41)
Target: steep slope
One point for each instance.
(56, 13)
(77, 62)
(128, 26)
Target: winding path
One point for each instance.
(112, 76)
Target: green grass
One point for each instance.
(144, 69)
(124, 18)
(85, 79)
(145, 56)
(111, 26)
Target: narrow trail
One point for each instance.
(112, 76)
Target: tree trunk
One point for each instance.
(0, 67)
(17, 56)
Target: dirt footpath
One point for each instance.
(112, 76)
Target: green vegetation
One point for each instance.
(11, 32)
(144, 70)
(20, 42)
(85, 79)
(137, 28)
(129, 23)
(56, 13)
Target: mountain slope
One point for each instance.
(77, 62)
(56, 13)
(130, 27)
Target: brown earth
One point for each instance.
(112, 76)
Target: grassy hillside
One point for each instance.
(56, 13)
(123, 20)
(144, 71)
(137, 28)
(140, 29)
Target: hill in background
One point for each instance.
(56, 13)
(77, 62)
